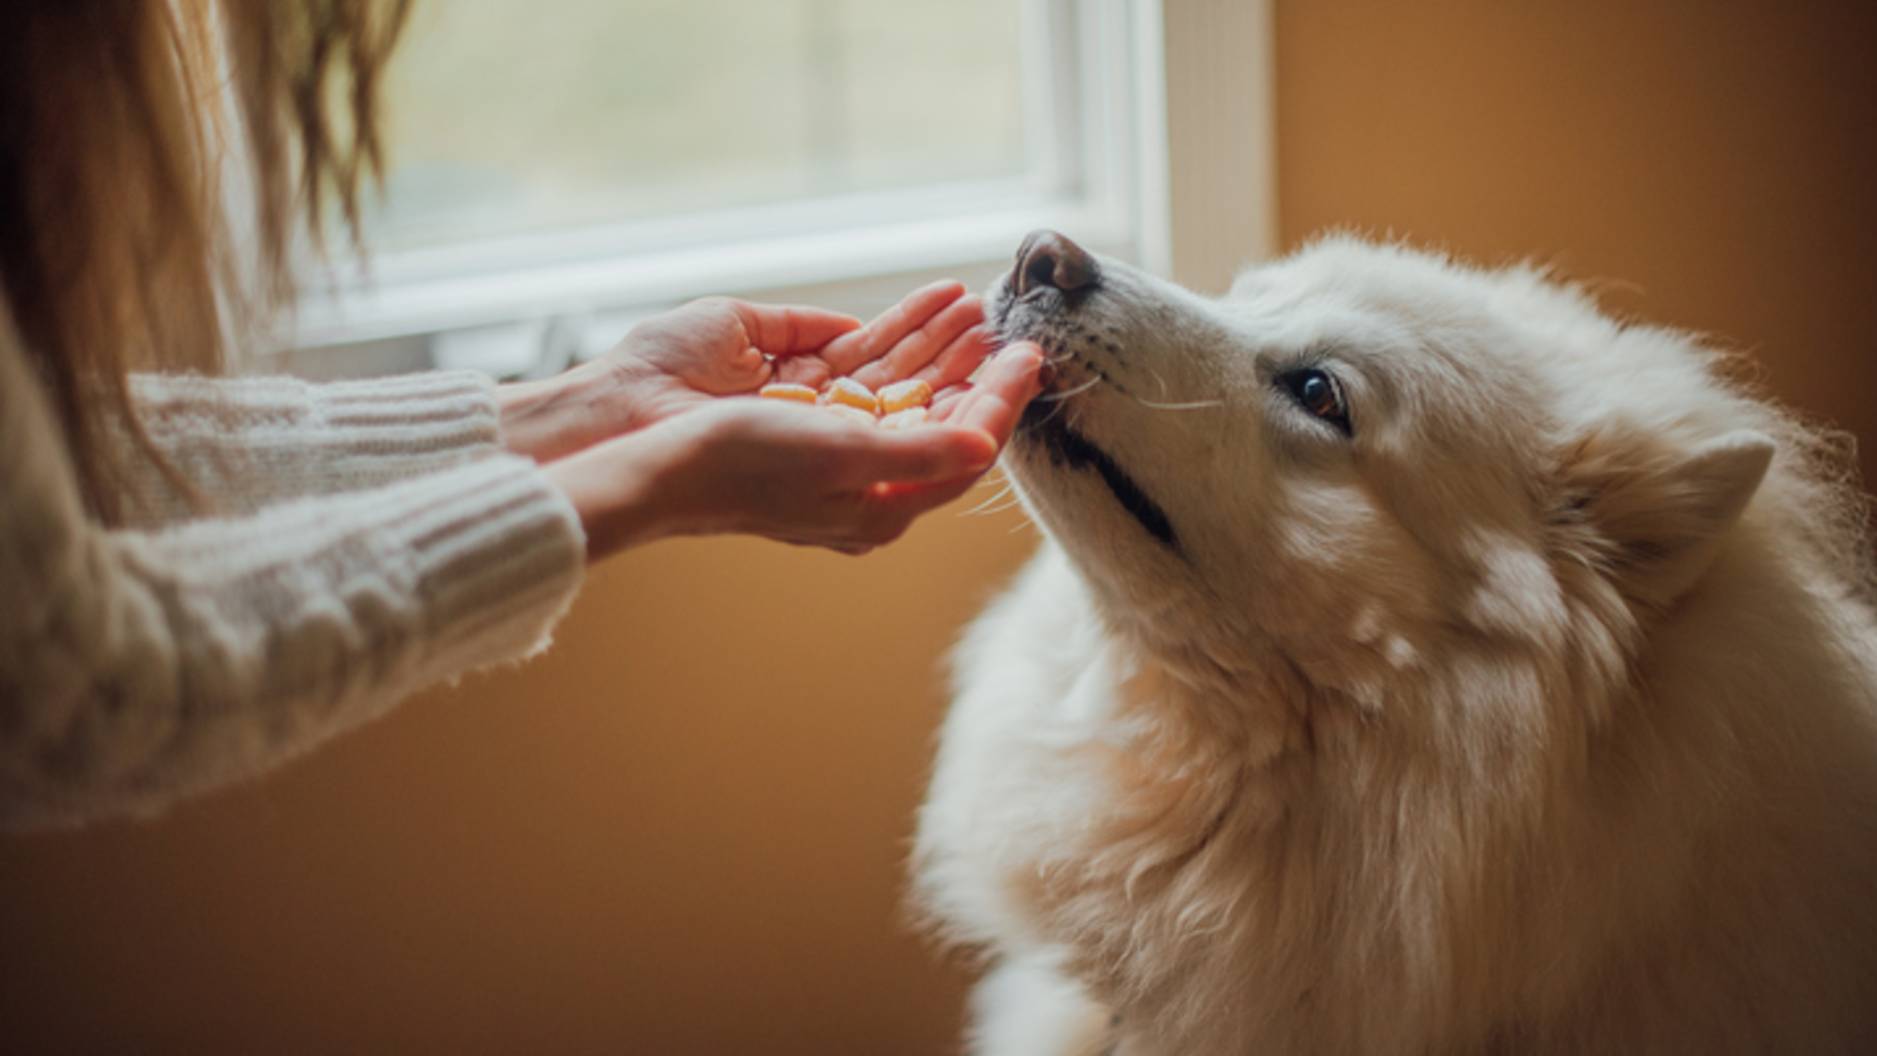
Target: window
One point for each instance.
(519, 118)
(560, 168)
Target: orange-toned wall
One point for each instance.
(1710, 165)
(682, 830)
(679, 832)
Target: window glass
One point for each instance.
(510, 117)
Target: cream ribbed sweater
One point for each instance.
(367, 538)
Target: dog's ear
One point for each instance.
(1652, 516)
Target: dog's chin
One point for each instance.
(1048, 444)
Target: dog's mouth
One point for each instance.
(1067, 448)
(1039, 315)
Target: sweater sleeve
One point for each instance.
(137, 667)
(245, 443)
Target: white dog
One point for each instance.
(1419, 662)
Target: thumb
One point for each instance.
(920, 454)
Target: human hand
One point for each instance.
(793, 473)
(724, 347)
(719, 347)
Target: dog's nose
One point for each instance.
(1049, 259)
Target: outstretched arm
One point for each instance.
(139, 666)
(246, 443)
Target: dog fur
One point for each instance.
(1537, 714)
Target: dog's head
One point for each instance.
(1362, 460)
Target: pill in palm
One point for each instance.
(904, 395)
(900, 405)
(847, 392)
(788, 390)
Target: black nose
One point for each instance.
(1048, 259)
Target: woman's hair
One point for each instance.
(119, 123)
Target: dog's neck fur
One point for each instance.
(1224, 790)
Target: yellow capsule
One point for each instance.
(850, 393)
(788, 390)
(903, 395)
(905, 419)
(852, 414)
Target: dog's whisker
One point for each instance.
(1190, 405)
(1054, 397)
(1053, 411)
(990, 505)
(1010, 504)
(998, 481)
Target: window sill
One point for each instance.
(411, 296)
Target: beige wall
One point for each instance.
(682, 831)
(1712, 165)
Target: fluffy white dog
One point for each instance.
(1419, 661)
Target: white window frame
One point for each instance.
(1125, 97)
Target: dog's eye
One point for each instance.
(1318, 393)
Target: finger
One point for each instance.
(960, 358)
(791, 329)
(1008, 383)
(924, 344)
(948, 401)
(953, 394)
(849, 351)
(923, 454)
(803, 370)
(914, 499)
(753, 369)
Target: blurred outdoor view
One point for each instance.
(511, 117)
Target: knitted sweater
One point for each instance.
(364, 539)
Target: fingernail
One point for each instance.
(1017, 354)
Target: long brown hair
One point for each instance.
(118, 121)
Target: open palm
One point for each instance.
(723, 347)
